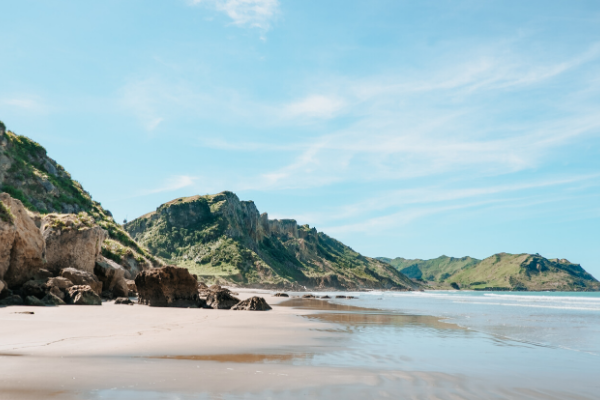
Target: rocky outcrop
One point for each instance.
(254, 303)
(79, 277)
(12, 300)
(221, 300)
(83, 295)
(72, 241)
(112, 276)
(124, 300)
(223, 232)
(281, 295)
(22, 247)
(168, 286)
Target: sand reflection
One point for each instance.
(248, 358)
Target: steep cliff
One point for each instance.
(219, 236)
(501, 271)
(43, 186)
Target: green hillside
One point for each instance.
(219, 236)
(501, 271)
(437, 269)
(43, 186)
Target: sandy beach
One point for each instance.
(139, 352)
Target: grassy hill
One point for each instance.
(43, 186)
(501, 271)
(219, 236)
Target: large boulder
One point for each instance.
(254, 303)
(124, 300)
(34, 301)
(34, 288)
(221, 300)
(22, 246)
(12, 300)
(167, 286)
(112, 276)
(59, 282)
(82, 278)
(72, 241)
(52, 300)
(83, 295)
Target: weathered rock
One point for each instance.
(79, 277)
(13, 300)
(221, 300)
(281, 295)
(112, 276)
(2, 285)
(167, 286)
(59, 282)
(51, 300)
(308, 296)
(124, 300)
(58, 292)
(42, 274)
(34, 288)
(340, 297)
(72, 241)
(22, 246)
(325, 297)
(33, 301)
(131, 287)
(83, 295)
(254, 303)
(202, 286)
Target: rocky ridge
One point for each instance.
(220, 238)
(44, 187)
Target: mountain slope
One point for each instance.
(219, 236)
(43, 186)
(501, 271)
(437, 269)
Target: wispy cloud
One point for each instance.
(315, 106)
(25, 103)
(172, 184)
(247, 13)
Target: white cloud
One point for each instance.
(250, 13)
(24, 102)
(315, 106)
(174, 183)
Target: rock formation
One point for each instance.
(83, 295)
(168, 286)
(221, 299)
(254, 303)
(124, 300)
(72, 241)
(79, 277)
(112, 276)
(22, 246)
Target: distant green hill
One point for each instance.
(501, 271)
(43, 186)
(219, 236)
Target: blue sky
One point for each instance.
(402, 128)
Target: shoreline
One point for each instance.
(140, 352)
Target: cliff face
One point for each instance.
(501, 271)
(219, 236)
(28, 174)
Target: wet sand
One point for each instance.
(139, 352)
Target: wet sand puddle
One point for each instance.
(247, 358)
(353, 316)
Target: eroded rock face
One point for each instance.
(2, 285)
(22, 246)
(221, 300)
(72, 241)
(131, 287)
(112, 276)
(254, 303)
(82, 278)
(168, 286)
(83, 295)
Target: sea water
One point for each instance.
(551, 338)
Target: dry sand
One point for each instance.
(139, 352)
